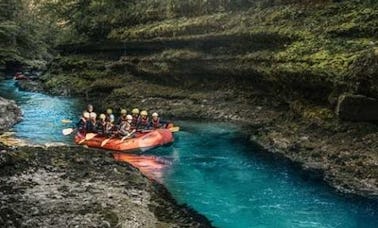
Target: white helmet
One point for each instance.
(86, 115)
(111, 118)
(93, 115)
(129, 117)
(155, 114)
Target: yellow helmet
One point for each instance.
(109, 111)
(143, 113)
(135, 111)
(102, 116)
(123, 111)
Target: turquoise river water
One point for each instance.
(215, 170)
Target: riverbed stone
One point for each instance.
(357, 108)
(10, 114)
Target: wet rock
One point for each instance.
(28, 85)
(10, 114)
(36, 191)
(357, 108)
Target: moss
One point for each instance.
(325, 40)
(110, 217)
(310, 111)
(106, 84)
(66, 85)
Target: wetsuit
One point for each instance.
(82, 125)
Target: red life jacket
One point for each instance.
(109, 118)
(134, 121)
(155, 123)
(143, 122)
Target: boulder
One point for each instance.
(357, 108)
(10, 114)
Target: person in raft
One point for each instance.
(125, 128)
(143, 121)
(122, 117)
(83, 123)
(103, 127)
(109, 115)
(91, 123)
(89, 108)
(135, 115)
(156, 123)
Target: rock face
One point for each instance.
(75, 187)
(10, 114)
(357, 108)
(32, 86)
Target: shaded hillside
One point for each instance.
(24, 37)
(313, 51)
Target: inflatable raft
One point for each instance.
(142, 142)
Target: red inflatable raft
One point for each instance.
(142, 141)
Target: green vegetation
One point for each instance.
(24, 39)
(324, 45)
(314, 48)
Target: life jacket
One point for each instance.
(142, 122)
(91, 126)
(134, 122)
(101, 127)
(125, 128)
(109, 118)
(121, 119)
(155, 123)
(82, 125)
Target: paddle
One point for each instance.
(67, 131)
(174, 129)
(128, 135)
(171, 129)
(88, 136)
(66, 121)
(106, 141)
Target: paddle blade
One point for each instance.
(104, 142)
(66, 121)
(90, 136)
(81, 141)
(67, 131)
(128, 135)
(174, 129)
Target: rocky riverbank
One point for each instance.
(72, 186)
(10, 114)
(297, 88)
(342, 153)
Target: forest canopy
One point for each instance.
(30, 29)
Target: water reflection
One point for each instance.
(151, 166)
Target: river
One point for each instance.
(214, 169)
